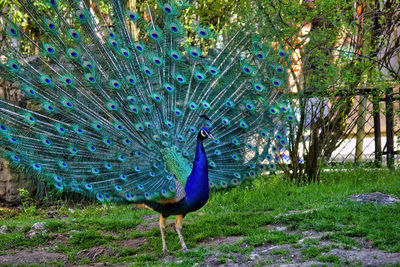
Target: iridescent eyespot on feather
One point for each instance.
(115, 84)
(276, 82)
(88, 65)
(180, 78)
(72, 53)
(50, 25)
(250, 106)
(90, 78)
(91, 148)
(118, 188)
(74, 34)
(181, 138)
(45, 141)
(235, 181)
(97, 126)
(67, 80)
(175, 28)
(260, 54)
(175, 55)
(77, 129)
(112, 106)
(12, 30)
(88, 187)
(282, 52)
(146, 109)
(3, 128)
(113, 43)
(12, 140)
(73, 150)
(192, 129)
(31, 92)
(49, 49)
(169, 124)
(81, 15)
(169, 88)
(62, 164)
(106, 141)
(217, 141)
(155, 35)
(212, 164)
(200, 76)
(223, 184)
(125, 52)
(45, 79)
(213, 70)
(203, 32)
(147, 71)
(235, 141)
(123, 177)
(225, 121)
(57, 178)
(121, 158)
(137, 169)
(192, 105)
(133, 16)
(194, 52)
(118, 126)
(279, 69)
(290, 117)
(205, 104)
(247, 69)
(178, 112)
(133, 109)
(157, 61)
(139, 127)
(100, 197)
(257, 45)
(139, 47)
(36, 167)
(259, 87)
(273, 110)
(30, 119)
(108, 165)
(48, 107)
(130, 79)
(229, 103)
(243, 124)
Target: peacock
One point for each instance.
(125, 107)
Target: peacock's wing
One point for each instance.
(114, 102)
(179, 195)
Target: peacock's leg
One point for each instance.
(178, 227)
(162, 228)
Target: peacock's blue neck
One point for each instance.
(197, 190)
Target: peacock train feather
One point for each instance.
(115, 115)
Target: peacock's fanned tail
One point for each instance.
(115, 102)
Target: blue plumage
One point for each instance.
(115, 105)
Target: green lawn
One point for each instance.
(247, 211)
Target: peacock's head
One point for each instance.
(204, 133)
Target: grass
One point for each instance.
(246, 211)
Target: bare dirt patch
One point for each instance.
(92, 253)
(220, 240)
(133, 243)
(23, 257)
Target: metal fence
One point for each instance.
(372, 130)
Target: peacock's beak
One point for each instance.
(210, 136)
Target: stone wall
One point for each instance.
(10, 179)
